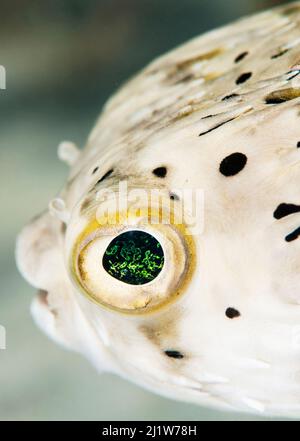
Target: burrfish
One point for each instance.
(171, 256)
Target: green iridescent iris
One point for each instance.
(134, 257)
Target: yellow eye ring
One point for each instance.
(98, 284)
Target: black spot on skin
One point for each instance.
(243, 78)
(174, 197)
(232, 313)
(241, 57)
(275, 100)
(279, 54)
(293, 236)
(174, 354)
(216, 127)
(229, 97)
(105, 176)
(160, 172)
(284, 210)
(233, 164)
(298, 144)
(95, 170)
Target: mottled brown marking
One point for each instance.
(85, 205)
(40, 246)
(180, 71)
(290, 10)
(182, 65)
(282, 95)
(184, 112)
(162, 331)
(82, 272)
(213, 76)
(185, 79)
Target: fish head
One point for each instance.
(171, 255)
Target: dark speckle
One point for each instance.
(160, 172)
(279, 54)
(207, 116)
(298, 144)
(95, 170)
(243, 78)
(233, 164)
(229, 97)
(105, 176)
(232, 313)
(241, 56)
(174, 354)
(174, 197)
(216, 126)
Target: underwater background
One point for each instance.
(63, 59)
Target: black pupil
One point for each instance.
(134, 257)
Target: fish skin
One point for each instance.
(243, 261)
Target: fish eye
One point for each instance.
(134, 266)
(134, 257)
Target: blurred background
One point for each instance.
(63, 59)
